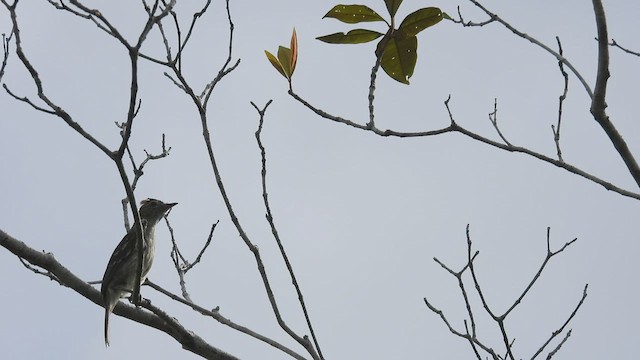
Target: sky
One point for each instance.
(361, 216)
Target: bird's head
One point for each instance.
(153, 210)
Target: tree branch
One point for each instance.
(159, 320)
(561, 98)
(274, 230)
(471, 336)
(454, 127)
(215, 314)
(613, 43)
(495, 17)
(599, 104)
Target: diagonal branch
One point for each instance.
(455, 127)
(598, 94)
(613, 43)
(215, 314)
(493, 117)
(561, 99)
(6, 40)
(495, 17)
(167, 324)
(500, 320)
(59, 111)
(272, 224)
(562, 327)
(200, 102)
(535, 278)
(599, 104)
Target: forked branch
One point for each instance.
(500, 320)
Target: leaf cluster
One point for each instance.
(287, 58)
(397, 49)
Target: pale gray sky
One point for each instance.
(361, 216)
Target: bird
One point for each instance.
(121, 272)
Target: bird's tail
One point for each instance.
(106, 326)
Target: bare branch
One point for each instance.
(470, 334)
(272, 224)
(47, 274)
(454, 127)
(498, 319)
(55, 109)
(27, 100)
(557, 348)
(598, 95)
(93, 15)
(200, 103)
(465, 336)
(183, 44)
(157, 320)
(190, 266)
(561, 328)
(529, 38)
(215, 314)
(115, 156)
(180, 263)
(493, 117)
(225, 69)
(599, 104)
(176, 258)
(613, 43)
(556, 129)
(6, 40)
(461, 21)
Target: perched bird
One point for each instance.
(120, 276)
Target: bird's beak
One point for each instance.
(170, 205)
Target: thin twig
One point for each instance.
(6, 40)
(215, 314)
(181, 264)
(535, 278)
(470, 335)
(465, 336)
(563, 96)
(598, 95)
(561, 328)
(496, 18)
(201, 107)
(615, 44)
(226, 69)
(485, 304)
(461, 21)
(553, 352)
(493, 117)
(189, 266)
(176, 256)
(273, 227)
(47, 274)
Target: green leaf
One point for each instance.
(399, 58)
(392, 6)
(352, 14)
(274, 61)
(356, 36)
(294, 50)
(420, 20)
(284, 57)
